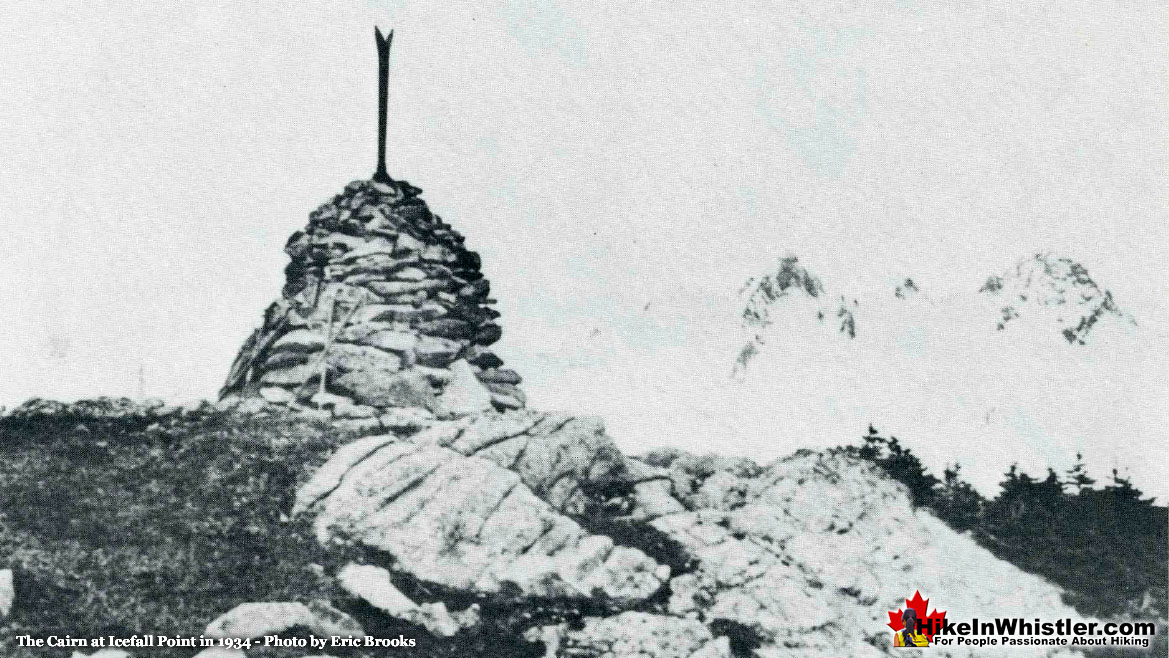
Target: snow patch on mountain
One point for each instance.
(1058, 290)
(790, 290)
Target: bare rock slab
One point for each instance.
(248, 620)
(466, 522)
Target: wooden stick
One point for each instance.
(325, 351)
(383, 55)
(330, 337)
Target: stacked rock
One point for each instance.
(383, 308)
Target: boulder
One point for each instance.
(409, 274)
(299, 340)
(436, 351)
(407, 419)
(358, 425)
(407, 287)
(463, 394)
(287, 359)
(384, 389)
(447, 328)
(326, 400)
(248, 620)
(277, 395)
(348, 358)
(408, 243)
(390, 313)
(555, 455)
(350, 410)
(388, 339)
(812, 547)
(480, 356)
(488, 334)
(292, 376)
(501, 376)
(7, 592)
(506, 395)
(373, 585)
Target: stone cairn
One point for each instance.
(385, 318)
(383, 310)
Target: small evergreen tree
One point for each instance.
(900, 463)
(957, 503)
(1077, 476)
(1105, 546)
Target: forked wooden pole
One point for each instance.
(383, 56)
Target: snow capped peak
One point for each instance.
(1054, 289)
(790, 292)
(1066, 370)
(790, 278)
(1042, 292)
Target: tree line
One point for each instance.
(1104, 543)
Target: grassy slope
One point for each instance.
(146, 526)
(141, 525)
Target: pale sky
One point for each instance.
(621, 167)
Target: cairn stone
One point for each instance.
(383, 308)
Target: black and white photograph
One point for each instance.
(517, 329)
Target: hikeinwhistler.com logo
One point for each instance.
(915, 626)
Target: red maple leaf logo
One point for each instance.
(919, 606)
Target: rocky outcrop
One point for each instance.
(1051, 285)
(812, 552)
(383, 308)
(481, 503)
(805, 556)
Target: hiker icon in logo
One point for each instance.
(912, 627)
(909, 636)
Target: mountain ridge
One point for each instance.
(1040, 284)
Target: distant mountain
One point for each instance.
(791, 285)
(1049, 285)
(1049, 291)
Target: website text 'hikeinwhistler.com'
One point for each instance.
(1015, 631)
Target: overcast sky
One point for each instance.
(621, 167)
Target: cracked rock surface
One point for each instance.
(805, 556)
(812, 551)
(477, 504)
